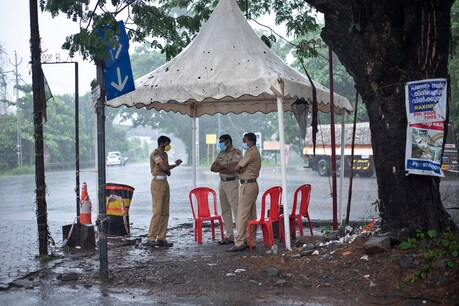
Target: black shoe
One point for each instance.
(150, 243)
(236, 249)
(163, 244)
(225, 241)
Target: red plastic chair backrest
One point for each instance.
(302, 195)
(202, 201)
(274, 194)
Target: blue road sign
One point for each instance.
(118, 71)
(118, 78)
(115, 53)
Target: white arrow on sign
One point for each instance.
(120, 85)
(118, 51)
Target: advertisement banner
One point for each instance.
(426, 100)
(426, 112)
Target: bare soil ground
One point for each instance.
(192, 274)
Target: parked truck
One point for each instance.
(321, 161)
(450, 157)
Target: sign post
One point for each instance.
(117, 70)
(211, 140)
(114, 77)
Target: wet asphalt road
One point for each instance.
(18, 222)
(18, 197)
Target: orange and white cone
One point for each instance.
(85, 205)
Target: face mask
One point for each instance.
(245, 146)
(222, 146)
(167, 148)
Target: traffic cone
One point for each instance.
(85, 205)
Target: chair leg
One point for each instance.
(199, 229)
(268, 235)
(300, 226)
(195, 230)
(271, 234)
(212, 226)
(292, 227)
(281, 232)
(310, 225)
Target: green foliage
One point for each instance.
(408, 244)
(59, 133)
(8, 142)
(424, 271)
(433, 246)
(453, 68)
(145, 60)
(168, 26)
(3, 75)
(18, 171)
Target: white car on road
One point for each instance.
(115, 158)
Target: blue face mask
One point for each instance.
(222, 146)
(245, 146)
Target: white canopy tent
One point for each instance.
(227, 68)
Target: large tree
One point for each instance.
(382, 44)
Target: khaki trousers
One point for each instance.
(160, 195)
(246, 210)
(229, 196)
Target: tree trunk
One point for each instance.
(383, 45)
(38, 108)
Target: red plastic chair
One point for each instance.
(301, 202)
(201, 211)
(275, 195)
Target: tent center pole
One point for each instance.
(280, 112)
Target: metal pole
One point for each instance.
(77, 144)
(351, 172)
(333, 142)
(197, 142)
(193, 146)
(77, 137)
(39, 106)
(343, 165)
(103, 258)
(18, 120)
(280, 114)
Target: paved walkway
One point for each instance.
(19, 248)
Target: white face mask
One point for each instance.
(222, 146)
(245, 146)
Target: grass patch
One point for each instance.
(432, 246)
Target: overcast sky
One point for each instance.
(15, 36)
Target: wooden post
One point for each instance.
(39, 107)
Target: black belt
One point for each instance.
(227, 179)
(248, 181)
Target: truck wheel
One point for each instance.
(367, 173)
(338, 169)
(322, 168)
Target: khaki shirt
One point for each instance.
(156, 157)
(251, 164)
(227, 157)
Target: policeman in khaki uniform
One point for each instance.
(228, 189)
(159, 188)
(249, 170)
